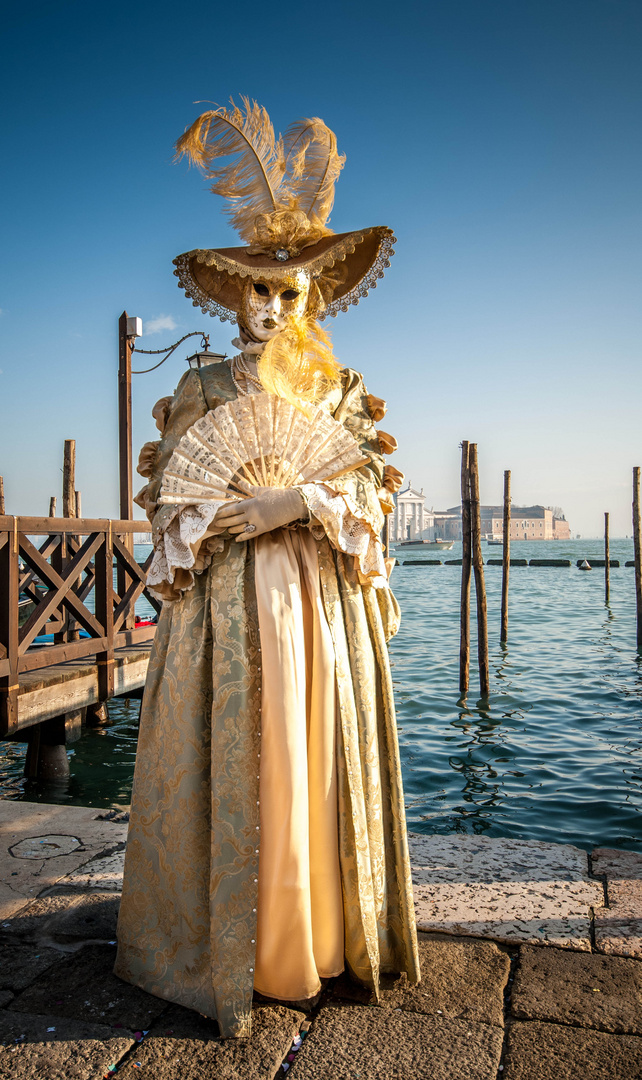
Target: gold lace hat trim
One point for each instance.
(222, 295)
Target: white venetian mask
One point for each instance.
(268, 306)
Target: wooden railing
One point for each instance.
(78, 573)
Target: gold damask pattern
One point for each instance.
(187, 925)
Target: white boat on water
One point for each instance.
(436, 545)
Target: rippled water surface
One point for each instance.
(555, 754)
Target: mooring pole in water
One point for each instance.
(464, 616)
(503, 637)
(52, 506)
(478, 568)
(2, 495)
(637, 553)
(607, 561)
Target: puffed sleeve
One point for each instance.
(178, 532)
(348, 509)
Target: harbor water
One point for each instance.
(554, 754)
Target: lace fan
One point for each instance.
(257, 440)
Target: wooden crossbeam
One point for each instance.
(60, 586)
(127, 560)
(129, 597)
(28, 577)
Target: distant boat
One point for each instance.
(494, 541)
(440, 545)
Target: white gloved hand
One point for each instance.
(270, 508)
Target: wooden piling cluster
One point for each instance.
(472, 556)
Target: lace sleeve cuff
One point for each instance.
(347, 529)
(179, 549)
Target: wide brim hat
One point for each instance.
(342, 266)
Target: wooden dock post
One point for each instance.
(606, 561)
(464, 617)
(52, 506)
(503, 637)
(2, 510)
(69, 480)
(637, 554)
(478, 569)
(68, 543)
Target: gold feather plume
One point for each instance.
(265, 177)
(312, 167)
(251, 180)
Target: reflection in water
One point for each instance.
(101, 764)
(553, 754)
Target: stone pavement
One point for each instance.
(531, 958)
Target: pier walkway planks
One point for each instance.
(67, 688)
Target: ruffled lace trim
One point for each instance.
(347, 528)
(174, 545)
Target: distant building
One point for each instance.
(410, 520)
(448, 524)
(527, 522)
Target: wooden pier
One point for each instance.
(59, 577)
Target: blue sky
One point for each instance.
(501, 140)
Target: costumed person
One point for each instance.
(267, 843)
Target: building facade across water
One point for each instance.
(411, 520)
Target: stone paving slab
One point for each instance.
(83, 987)
(539, 1051)
(21, 964)
(186, 1045)
(509, 890)
(103, 873)
(549, 913)
(618, 927)
(73, 1051)
(463, 980)
(616, 863)
(581, 989)
(455, 858)
(22, 879)
(64, 920)
(348, 1041)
